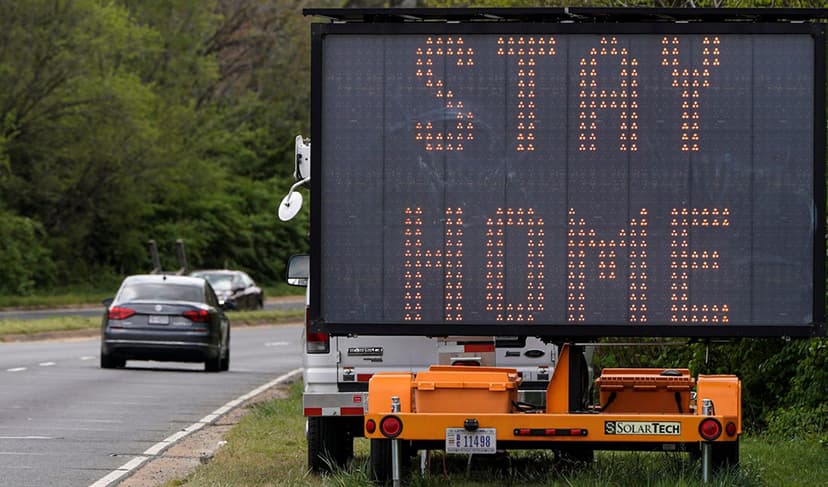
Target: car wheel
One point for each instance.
(213, 364)
(110, 362)
(225, 361)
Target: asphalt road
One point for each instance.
(66, 422)
(286, 303)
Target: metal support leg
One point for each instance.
(395, 447)
(707, 462)
(706, 447)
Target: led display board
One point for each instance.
(570, 180)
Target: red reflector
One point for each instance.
(391, 426)
(364, 377)
(118, 313)
(730, 428)
(313, 411)
(351, 411)
(710, 429)
(523, 432)
(197, 315)
(576, 432)
(370, 426)
(479, 347)
(550, 432)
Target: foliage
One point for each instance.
(22, 257)
(173, 119)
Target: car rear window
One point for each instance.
(161, 292)
(218, 281)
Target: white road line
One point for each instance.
(153, 451)
(46, 364)
(88, 357)
(276, 344)
(27, 437)
(16, 369)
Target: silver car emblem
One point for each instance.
(158, 307)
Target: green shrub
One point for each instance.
(798, 423)
(24, 262)
(781, 379)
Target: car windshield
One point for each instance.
(152, 291)
(219, 282)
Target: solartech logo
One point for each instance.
(642, 428)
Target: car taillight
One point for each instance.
(118, 313)
(318, 343)
(197, 316)
(315, 342)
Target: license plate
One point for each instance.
(483, 440)
(159, 320)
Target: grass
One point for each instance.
(73, 297)
(69, 323)
(267, 448)
(57, 299)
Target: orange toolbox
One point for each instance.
(645, 390)
(465, 389)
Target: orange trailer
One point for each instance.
(474, 410)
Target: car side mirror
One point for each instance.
(298, 270)
(106, 302)
(229, 306)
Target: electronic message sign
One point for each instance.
(628, 179)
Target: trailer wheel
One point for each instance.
(725, 455)
(330, 442)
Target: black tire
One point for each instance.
(225, 360)
(213, 364)
(725, 455)
(110, 362)
(330, 442)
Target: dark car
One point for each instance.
(235, 289)
(165, 318)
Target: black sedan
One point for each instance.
(235, 289)
(165, 318)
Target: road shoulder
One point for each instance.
(182, 457)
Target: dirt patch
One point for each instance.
(179, 460)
